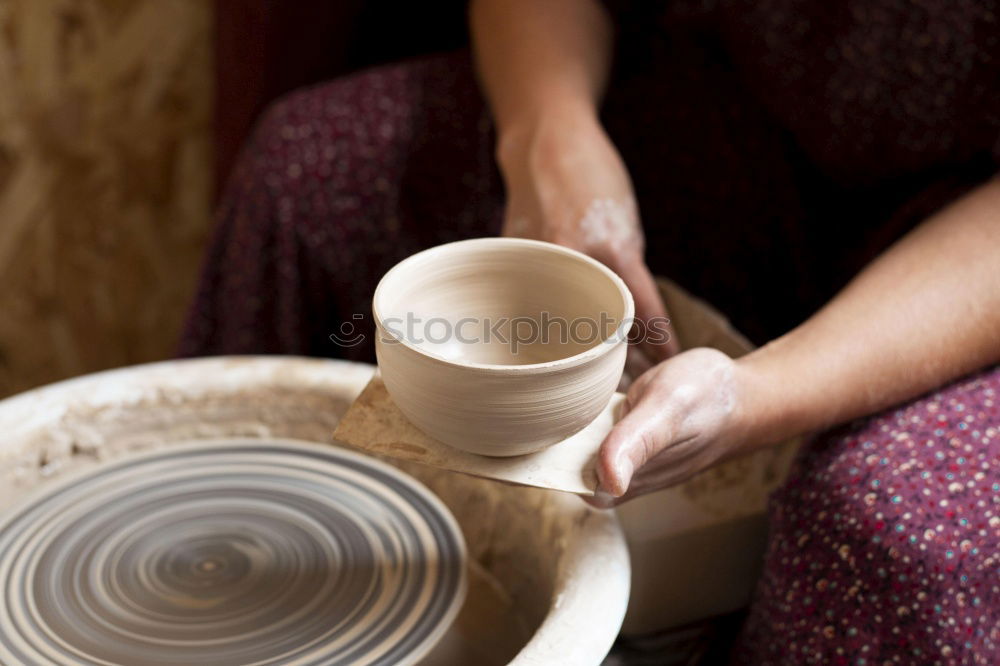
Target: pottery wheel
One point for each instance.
(236, 552)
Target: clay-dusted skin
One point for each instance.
(480, 393)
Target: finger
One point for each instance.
(635, 392)
(674, 464)
(658, 338)
(666, 474)
(642, 433)
(600, 500)
(636, 364)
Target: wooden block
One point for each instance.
(375, 425)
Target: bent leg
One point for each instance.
(338, 183)
(885, 542)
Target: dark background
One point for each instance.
(267, 47)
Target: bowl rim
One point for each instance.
(601, 348)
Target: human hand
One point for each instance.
(683, 416)
(567, 184)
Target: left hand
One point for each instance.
(567, 184)
(681, 417)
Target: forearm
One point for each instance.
(925, 312)
(540, 58)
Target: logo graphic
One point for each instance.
(516, 332)
(348, 336)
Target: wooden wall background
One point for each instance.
(105, 180)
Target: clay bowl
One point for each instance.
(501, 346)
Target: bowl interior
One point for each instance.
(502, 302)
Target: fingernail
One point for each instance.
(624, 470)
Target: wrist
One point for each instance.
(543, 129)
(770, 405)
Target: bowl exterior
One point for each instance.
(498, 412)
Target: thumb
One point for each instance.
(636, 438)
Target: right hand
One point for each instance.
(680, 418)
(567, 184)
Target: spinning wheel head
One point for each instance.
(230, 553)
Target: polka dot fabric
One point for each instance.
(338, 183)
(885, 545)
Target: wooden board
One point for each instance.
(375, 425)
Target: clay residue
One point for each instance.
(516, 535)
(84, 434)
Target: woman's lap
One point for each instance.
(885, 542)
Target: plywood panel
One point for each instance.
(105, 180)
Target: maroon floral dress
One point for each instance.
(776, 146)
